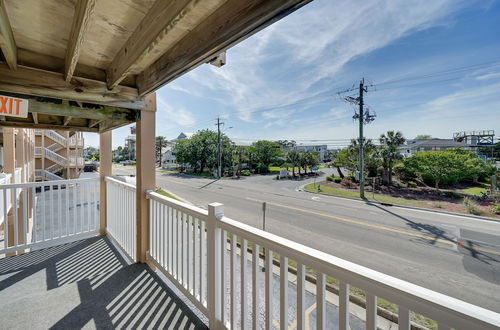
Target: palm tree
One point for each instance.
(161, 142)
(293, 158)
(389, 153)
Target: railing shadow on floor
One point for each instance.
(109, 292)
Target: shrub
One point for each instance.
(411, 184)
(398, 185)
(348, 183)
(245, 173)
(470, 206)
(452, 194)
(329, 178)
(337, 180)
(495, 208)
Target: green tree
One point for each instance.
(436, 167)
(372, 162)
(389, 153)
(161, 143)
(266, 152)
(422, 137)
(312, 158)
(293, 158)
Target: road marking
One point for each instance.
(315, 198)
(380, 227)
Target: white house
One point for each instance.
(321, 148)
(413, 146)
(168, 158)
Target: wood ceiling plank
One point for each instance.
(166, 23)
(81, 19)
(49, 126)
(7, 43)
(31, 81)
(231, 23)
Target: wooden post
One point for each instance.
(9, 151)
(105, 169)
(145, 172)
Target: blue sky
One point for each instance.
(281, 83)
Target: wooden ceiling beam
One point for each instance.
(36, 82)
(35, 117)
(231, 23)
(166, 23)
(49, 126)
(81, 19)
(69, 112)
(94, 122)
(67, 119)
(7, 43)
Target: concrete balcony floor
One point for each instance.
(87, 284)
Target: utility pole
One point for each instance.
(364, 117)
(361, 141)
(219, 153)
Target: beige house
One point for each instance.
(100, 253)
(59, 154)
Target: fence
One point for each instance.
(193, 247)
(121, 215)
(49, 213)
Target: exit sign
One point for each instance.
(13, 107)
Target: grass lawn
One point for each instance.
(369, 196)
(167, 171)
(476, 191)
(166, 194)
(455, 207)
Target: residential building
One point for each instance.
(59, 154)
(168, 158)
(320, 148)
(413, 146)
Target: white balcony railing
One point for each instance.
(55, 157)
(38, 151)
(207, 256)
(56, 137)
(121, 215)
(50, 213)
(5, 197)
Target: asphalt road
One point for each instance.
(416, 246)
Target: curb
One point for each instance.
(301, 188)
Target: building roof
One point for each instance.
(444, 143)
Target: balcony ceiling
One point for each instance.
(114, 52)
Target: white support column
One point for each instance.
(145, 171)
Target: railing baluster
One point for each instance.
(320, 302)
(202, 258)
(300, 296)
(25, 215)
(67, 210)
(59, 211)
(403, 318)
(16, 219)
(344, 305)
(34, 216)
(51, 191)
(5, 219)
(371, 311)
(283, 292)
(243, 282)
(82, 215)
(194, 255)
(223, 249)
(183, 249)
(151, 228)
(44, 222)
(255, 285)
(269, 289)
(75, 217)
(233, 281)
(188, 253)
(164, 236)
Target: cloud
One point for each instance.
(311, 45)
(490, 75)
(179, 116)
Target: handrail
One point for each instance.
(56, 157)
(419, 299)
(125, 184)
(447, 311)
(184, 207)
(56, 137)
(36, 184)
